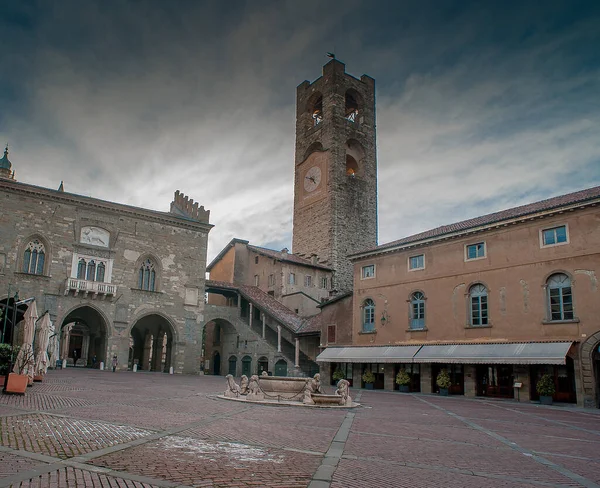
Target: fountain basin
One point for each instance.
(283, 387)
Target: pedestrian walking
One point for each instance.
(94, 360)
(114, 363)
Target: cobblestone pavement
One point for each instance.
(83, 428)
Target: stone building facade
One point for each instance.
(117, 280)
(497, 301)
(299, 284)
(335, 183)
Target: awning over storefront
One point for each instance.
(513, 353)
(368, 354)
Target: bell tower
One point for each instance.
(335, 182)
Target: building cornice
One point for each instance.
(474, 230)
(97, 204)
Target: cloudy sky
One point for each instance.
(480, 105)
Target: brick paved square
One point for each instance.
(173, 429)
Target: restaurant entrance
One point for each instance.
(495, 381)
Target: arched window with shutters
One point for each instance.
(417, 310)
(34, 257)
(100, 272)
(368, 316)
(560, 297)
(91, 270)
(147, 275)
(81, 267)
(478, 298)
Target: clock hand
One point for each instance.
(311, 178)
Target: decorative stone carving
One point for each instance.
(316, 384)
(233, 390)
(265, 373)
(308, 391)
(244, 385)
(344, 392)
(254, 391)
(94, 236)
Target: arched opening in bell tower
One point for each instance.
(353, 103)
(354, 155)
(315, 108)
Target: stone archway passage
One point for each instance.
(216, 364)
(83, 337)
(152, 348)
(232, 365)
(263, 364)
(590, 370)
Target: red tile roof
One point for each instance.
(312, 325)
(286, 257)
(569, 199)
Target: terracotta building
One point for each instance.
(497, 301)
(116, 279)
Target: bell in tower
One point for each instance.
(335, 186)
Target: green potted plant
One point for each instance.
(545, 388)
(338, 375)
(403, 381)
(368, 379)
(444, 382)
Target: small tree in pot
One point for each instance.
(369, 379)
(545, 388)
(403, 381)
(444, 382)
(338, 375)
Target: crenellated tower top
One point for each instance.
(186, 207)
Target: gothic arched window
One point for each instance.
(417, 310)
(100, 272)
(479, 305)
(91, 270)
(560, 297)
(81, 267)
(147, 276)
(368, 315)
(34, 258)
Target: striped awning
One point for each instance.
(512, 353)
(368, 354)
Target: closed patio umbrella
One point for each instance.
(53, 344)
(41, 345)
(24, 364)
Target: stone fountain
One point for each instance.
(288, 391)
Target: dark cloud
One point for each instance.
(480, 107)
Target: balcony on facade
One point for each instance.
(94, 288)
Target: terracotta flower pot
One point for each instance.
(17, 383)
(38, 378)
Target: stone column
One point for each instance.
(263, 326)
(85, 345)
(470, 380)
(147, 349)
(169, 353)
(297, 355)
(356, 375)
(157, 351)
(426, 378)
(250, 316)
(66, 336)
(279, 338)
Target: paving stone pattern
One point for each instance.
(99, 429)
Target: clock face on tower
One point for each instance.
(312, 179)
